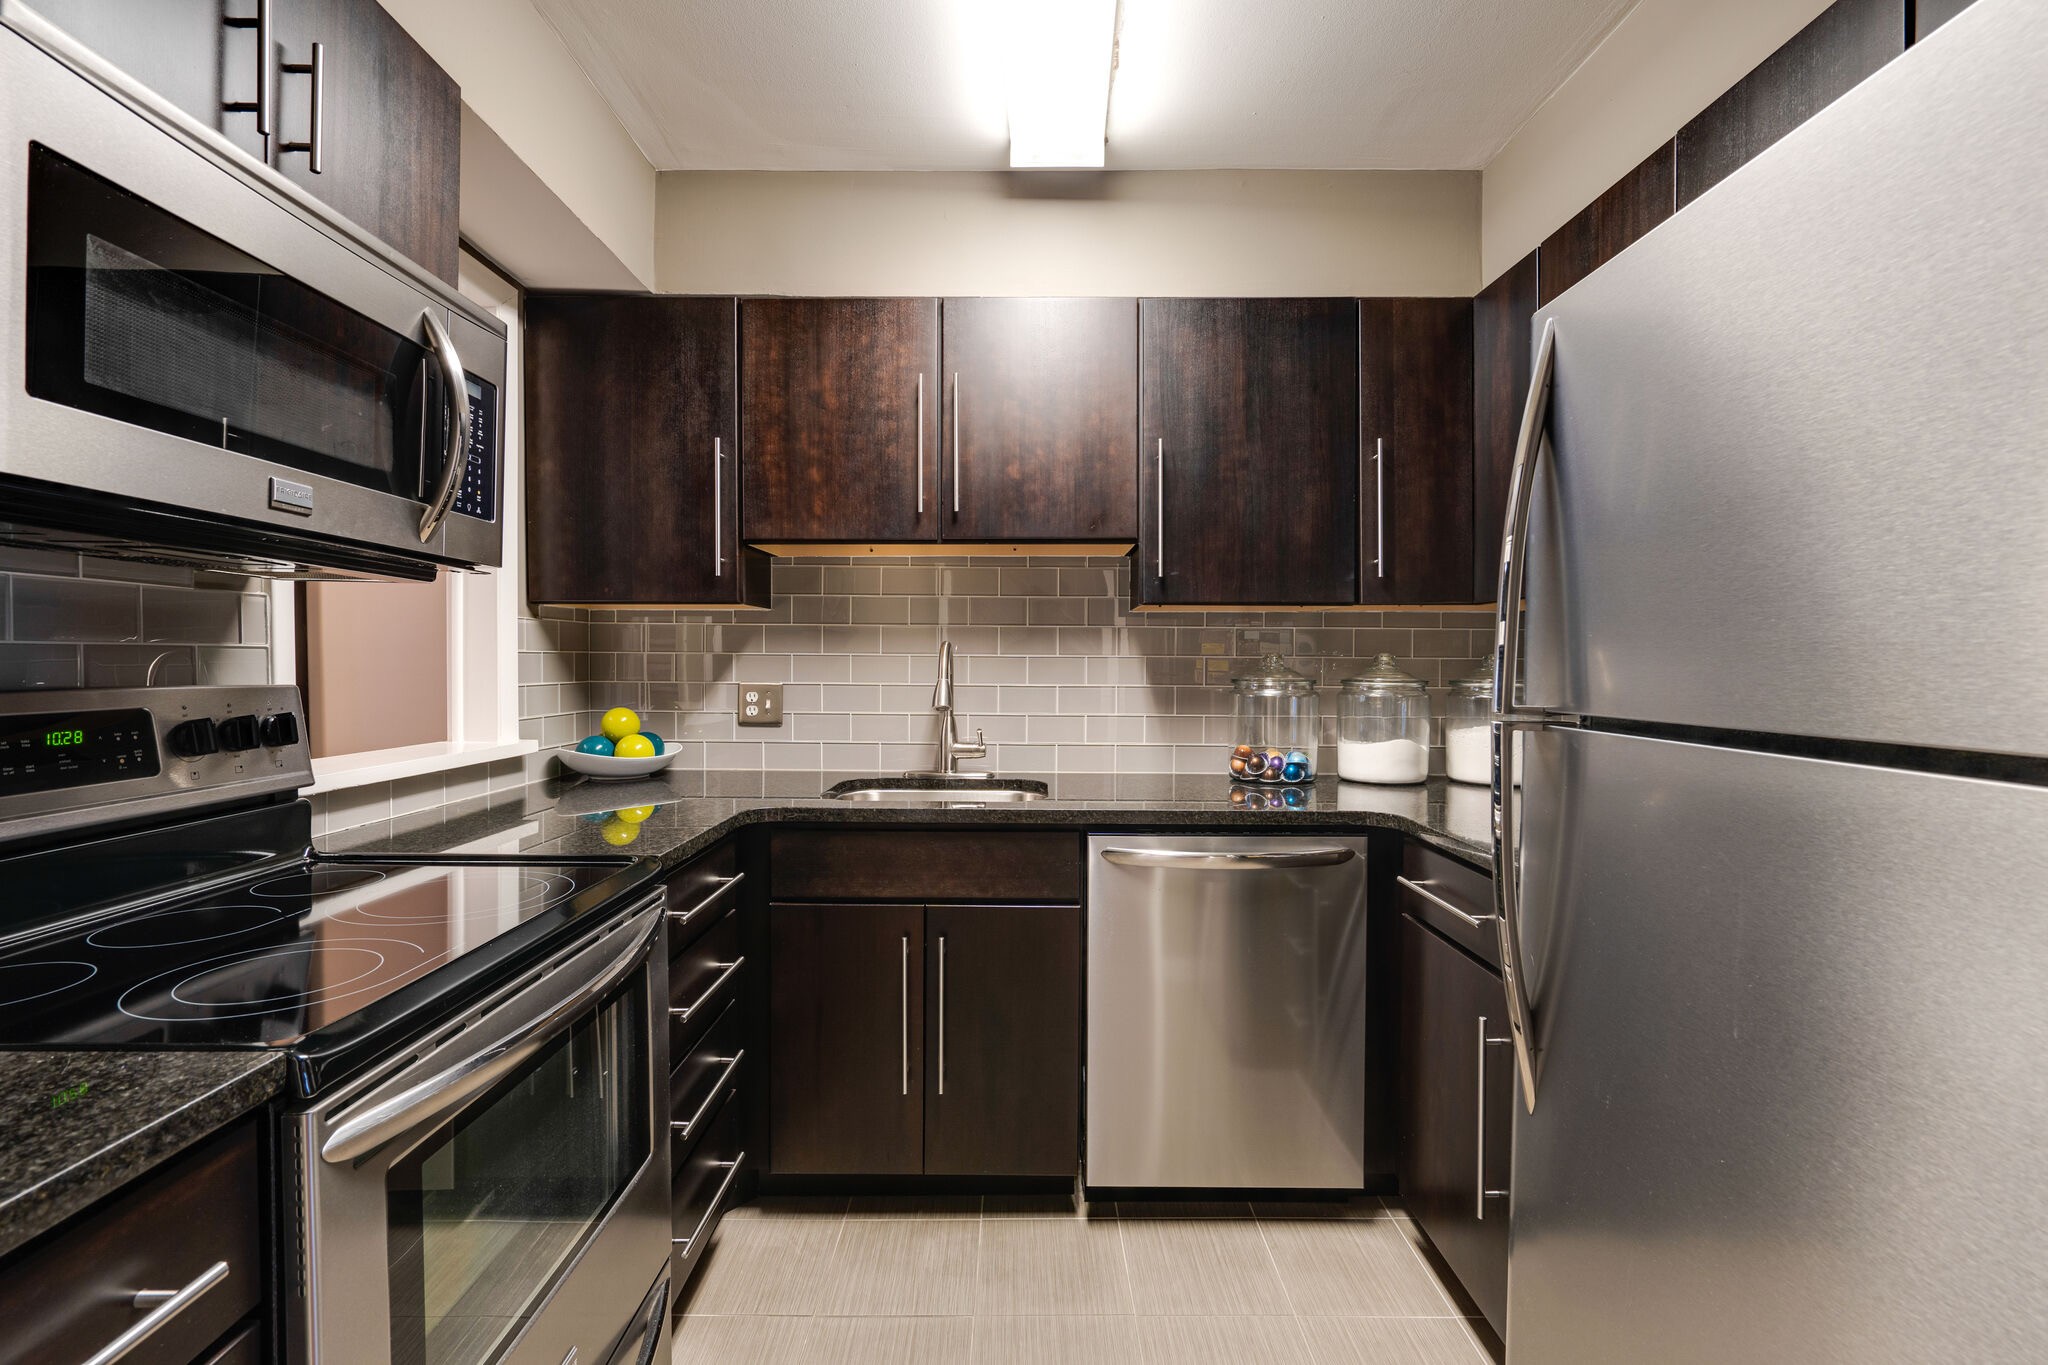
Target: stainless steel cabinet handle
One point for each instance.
(681, 917)
(316, 140)
(452, 1085)
(682, 1013)
(920, 446)
(1476, 921)
(1507, 664)
(718, 507)
(1379, 503)
(956, 443)
(1183, 860)
(260, 106)
(1482, 1194)
(942, 1014)
(732, 1169)
(906, 1014)
(455, 396)
(1159, 504)
(684, 1127)
(164, 1304)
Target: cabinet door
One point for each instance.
(1456, 1088)
(1501, 360)
(391, 134)
(180, 49)
(839, 419)
(1041, 431)
(632, 469)
(846, 1025)
(1003, 1069)
(1415, 429)
(1250, 421)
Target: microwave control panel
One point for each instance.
(478, 496)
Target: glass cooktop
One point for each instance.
(323, 958)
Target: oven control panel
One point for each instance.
(67, 757)
(478, 495)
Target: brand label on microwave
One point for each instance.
(287, 496)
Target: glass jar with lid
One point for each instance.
(1278, 723)
(1468, 728)
(1383, 726)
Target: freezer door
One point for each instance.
(1799, 483)
(1793, 1097)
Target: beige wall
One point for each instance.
(1235, 233)
(519, 80)
(1664, 62)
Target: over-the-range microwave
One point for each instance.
(199, 363)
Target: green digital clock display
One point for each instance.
(63, 739)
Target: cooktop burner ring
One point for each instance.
(112, 935)
(324, 879)
(539, 891)
(12, 978)
(377, 977)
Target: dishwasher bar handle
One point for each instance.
(1186, 860)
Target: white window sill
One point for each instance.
(391, 765)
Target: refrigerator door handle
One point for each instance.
(1507, 899)
(1514, 533)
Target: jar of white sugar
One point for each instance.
(1383, 726)
(1468, 728)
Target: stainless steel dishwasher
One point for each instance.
(1226, 1012)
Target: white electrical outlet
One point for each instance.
(760, 704)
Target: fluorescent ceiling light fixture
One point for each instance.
(1057, 56)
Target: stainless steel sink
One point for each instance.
(942, 797)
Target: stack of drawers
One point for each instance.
(707, 1030)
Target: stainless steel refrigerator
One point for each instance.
(1778, 949)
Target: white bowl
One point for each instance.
(607, 768)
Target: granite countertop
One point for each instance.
(75, 1126)
(678, 814)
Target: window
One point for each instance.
(403, 679)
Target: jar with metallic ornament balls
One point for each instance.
(1278, 722)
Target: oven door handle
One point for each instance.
(455, 394)
(446, 1089)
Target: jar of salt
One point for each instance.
(1383, 726)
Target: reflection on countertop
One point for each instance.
(676, 814)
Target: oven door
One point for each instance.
(502, 1196)
(186, 334)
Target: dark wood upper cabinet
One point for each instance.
(1455, 1097)
(1929, 15)
(1501, 358)
(1608, 226)
(839, 419)
(1003, 1060)
(1848, 41)
(1041, 429)
(632, 459)
(391, 136)
(1249, 418)
(846, 1022)
(1415, 440)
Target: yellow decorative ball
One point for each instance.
(618, 833)
(632, 746)
(618, 723)
(633, 815)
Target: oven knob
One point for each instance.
(281, 731)
(193, 739)
(238, 733)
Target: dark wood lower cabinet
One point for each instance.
(846, 1021)
(1456, 1086)
(1003, 1070)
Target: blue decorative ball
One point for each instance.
(653, 739)
(595, 744)
(1294, 771)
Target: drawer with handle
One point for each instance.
(155, 1276)
(700, 894)
(701, 1079)
(704, 1184)
(702, 980)
(1451, 898)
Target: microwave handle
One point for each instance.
(455, 392)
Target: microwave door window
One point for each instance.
(136, 315)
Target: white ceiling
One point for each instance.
(1201, 84)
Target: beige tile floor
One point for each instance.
(1038, 1281)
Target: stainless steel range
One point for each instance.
(474, 1160)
